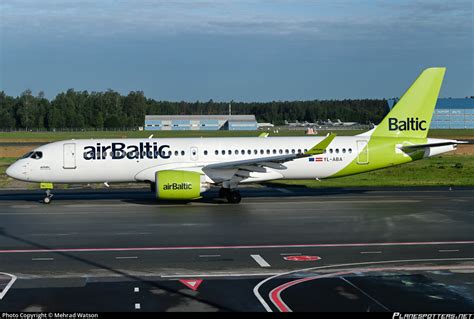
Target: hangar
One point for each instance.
(451, 113)
(200, 122)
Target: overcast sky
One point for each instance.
(240, 50)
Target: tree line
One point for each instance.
(110, 109)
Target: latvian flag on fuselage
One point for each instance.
(315, 159)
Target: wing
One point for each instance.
(233, 172)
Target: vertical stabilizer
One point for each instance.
(411, 116)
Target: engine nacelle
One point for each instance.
(180, 185)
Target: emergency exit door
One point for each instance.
(69, 155)
(362, 152)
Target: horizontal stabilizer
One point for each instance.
(418, 146)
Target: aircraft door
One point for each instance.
(362, 152)
(194, 153)
(69, 156)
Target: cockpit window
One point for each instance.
(33, 155)
(27, 155)
(37, 155)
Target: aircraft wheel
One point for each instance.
(223, 192)
(234, 197)
(47, 200)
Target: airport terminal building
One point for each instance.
(200, 122)
(451, 113)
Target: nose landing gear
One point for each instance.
(48, 197)
(48, 187)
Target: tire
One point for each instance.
(234, 197)
(223, 192)
(47, 200)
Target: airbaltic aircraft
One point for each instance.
(183, 168)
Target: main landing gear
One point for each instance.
(232, 196)
(48, 197)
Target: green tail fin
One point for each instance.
(411, 116)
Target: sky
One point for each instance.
(260, 50)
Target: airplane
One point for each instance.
(339, 122)
(184, 168)
(265, 125)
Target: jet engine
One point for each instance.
(180, 185)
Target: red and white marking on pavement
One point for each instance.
(302, 258)
(191, 283)
(275, 294)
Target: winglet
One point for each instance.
(263, 134)
(321, 146)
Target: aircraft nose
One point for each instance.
(14, 171)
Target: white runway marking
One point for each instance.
(260, 260)
(209, 256)
(126, 257)
(290, 254)
(370, 252)
(448, 250)
(9, 285)
(42, 259)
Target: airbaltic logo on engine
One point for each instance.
(120, 150)
(411, 124)
(177, 186)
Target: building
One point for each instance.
(451, 113)
(200, 122)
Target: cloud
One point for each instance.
(337, 20)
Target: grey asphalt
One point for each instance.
(104, 244)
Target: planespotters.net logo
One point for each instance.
(398, 315)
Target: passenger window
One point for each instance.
(249, 152)
(268, 151)
(293, 151)
(262, 152)
(350, 150)
(344, 150)
(305, 150)
(205, 152)
(236, 152)
(280, 151)
(255, 152)
(216, 152)
(337, 151)
(176, 153)
(242, 152)
(330, 150)
(299, 151)
(287, 151)
(182, 153)
(274, 151)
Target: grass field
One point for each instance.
(55, 136)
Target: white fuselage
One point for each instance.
(66, 161)
(137, 160)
